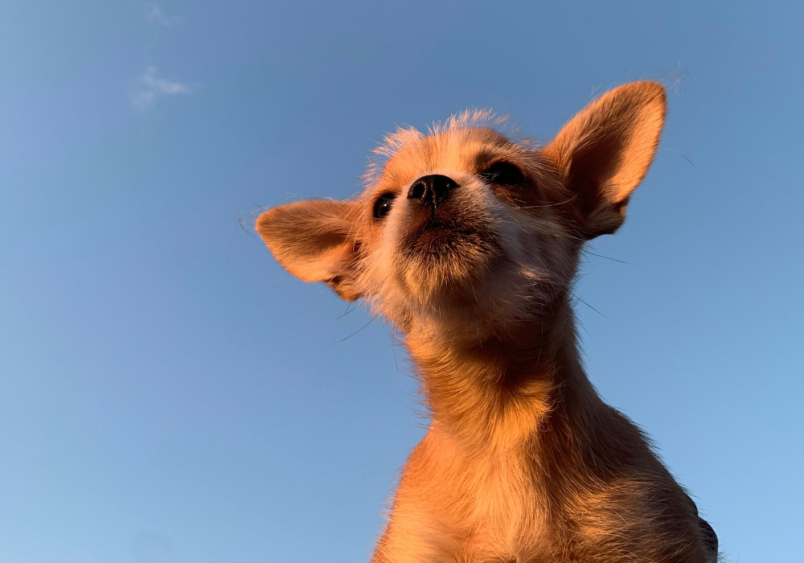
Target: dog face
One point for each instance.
(466, 227)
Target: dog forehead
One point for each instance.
(413, 154)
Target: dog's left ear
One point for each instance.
(604, 152)
(314, 240)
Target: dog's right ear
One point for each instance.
(604, 152)
(313, 241)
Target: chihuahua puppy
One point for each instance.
(468, 242)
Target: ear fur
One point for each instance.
(604, 152)
(313, 241)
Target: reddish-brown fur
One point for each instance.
(522, 462)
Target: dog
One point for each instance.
(467, 240)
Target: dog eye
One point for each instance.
(383, 205)
(503, 174)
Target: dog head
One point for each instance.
(468, 228)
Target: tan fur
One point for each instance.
(522, 462)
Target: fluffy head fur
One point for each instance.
(468, 241)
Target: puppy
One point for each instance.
(468, 241)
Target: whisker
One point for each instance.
(682, 155)
(587, 251)
(587, 304)
(348, 310)
(354, 333)
(550, 204)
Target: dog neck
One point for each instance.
(502, 392)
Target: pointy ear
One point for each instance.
(313, 241)
(604, 152)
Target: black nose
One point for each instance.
(432, 191)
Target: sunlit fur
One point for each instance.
(522, 461)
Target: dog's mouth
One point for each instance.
(444, 260)
(446, 239)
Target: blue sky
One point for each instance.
(168, 393)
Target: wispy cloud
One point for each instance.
(149, 86)
(155, 15)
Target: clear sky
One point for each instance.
(168, 393)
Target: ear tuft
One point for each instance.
(604, 152)
(313, 240)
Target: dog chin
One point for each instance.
(445, 267)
